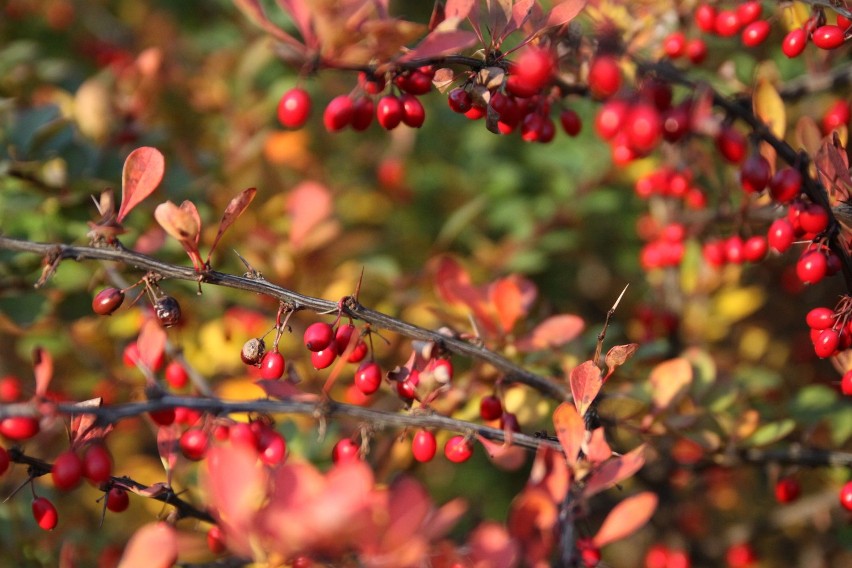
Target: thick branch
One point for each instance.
(513, 372)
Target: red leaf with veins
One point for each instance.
(142, 173)
(570, 430)
(627, 517)
(43, 370)
(155, 545)
(586, 383)
(235, 208)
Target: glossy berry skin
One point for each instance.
(389, 112)
(272, 446)
(67, 471)
(358, 352)
(754, 174)
(167, 310)
(4, 460)
(675, 44)
(117, 500)
(19, 428)
(755, 33)
(176, 375)
(727, 23)
(731, 144)
(696, 50)
(368, 377)
(604, 76)
(338, 113)
(97, 464)
(490, 408)
(342, 335)
(318, 336)
(813, 218)
(534, 67)
(413, 113)
(846, 496)
(785, 185)
(571, 122)
(811, 267)
(363, 110)
(45, 513)
(272, 366)
(107, 301)
(323, 359)
(826, 343)
(193, 444)
(820, 318)
(755, 248)
(294, 108)
(458, 449)
(845, 386)
(827, 37)
(794, 43)
(346, 451)
(424, 446)
(644, 127)
(749, 12)
(787, 490)
(459, 100)
(705, 18)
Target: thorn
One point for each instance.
(250, 271)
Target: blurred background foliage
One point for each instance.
(84, 83)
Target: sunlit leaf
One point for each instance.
(564, 12)
(570, 429)
(490, 545)
(154, 545)
(143, 171)
(151, 343)
(179, 222)
(586, 382)
(308, 204)
(506, 297)
(235, 208)
(507, 457)
(553, 332)
(627, 517)
(596, 448)
(550, 472)
(770, 108)
(669, 380)
(618, 356)
(771, 433)
(808, 135)
(43, 370)
(441, 43)
(614, 471)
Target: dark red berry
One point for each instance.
(459, 100)
(45, 513)
(363, 110)
(785, 185)
(163, 417)
(338, 113)
(571, 122)
(167, 310)
(490, 408)
(272, 366)
(696, 50)
(731, 144)
(458, 449)
(389, 112)
(371, 84)
(368, 377)
(4, 460)
(117, 500)
(787, 490)
(97, 463)
(67, 471)
(413, 113)
(107, 301)
(193, 443)
(294, 108)
(424, 446)
(754, 173)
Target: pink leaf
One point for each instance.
(669, 380)
(550, 473)
(180, 222)
(614, 471)
(83, 427)
(521, 12)
(408, 506)
(155, 545)
(308, 204)
(440, 42)
(142, 173)
(300, 11)
(235, 208)
(586, 383)
(254, 12)
(167, 447)
(43, 370)
(454, 286)
(459, 8)
(618, 356)
(151, 343)
(506, 457)
(626, 518)
(491, 545)
(595, 448)
(564, 12)
(570, 430)
(553, 332)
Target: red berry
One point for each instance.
(696, 50)
(10, 388)
(675, 44)
(731, 144)
(117, 500)
(476, 112)
(604, 76)
(812, 266)
(705, 18)
(241, 434)
(534, 67)
(19, 428)
(318, 336)
(846, 496)
(740, 556)
(176, 375)
(547, 131)
(4, 460)
(272, 366)
(338, 113)
(272, 446)
(97, 464)
(389, 112)
(836, 116)
(424, 446)
(571, 122)
(531, 127)
(415, 83)
(675, 122)
(748, 12)
(407, 389)
(589, 554)
(845, 388)
(342, 336)
(820, 318)
(371, 84)
(755, 33)
(216, 540)
(67, 471)
(515, 85)
(490, 408)
(844, 22)
(714, 253)
(45, 513)
(813, 218)
(755, 248)
(735, 250)
(458, 449)
(346, 451)
(727, 23)
(459, 100)
(644, 127)
(193, 443)
(107, 301)
(294, 108)
(413, 113)
(794, 43)
(163, 417)
(754, 174)
(826, 343)
(610, 119)
(785, 185)
(323, 359)
(787, 490)
(828, 37)
(781, 235)
(359, 352)
(188, 416)
(368, 377)
(362, 114)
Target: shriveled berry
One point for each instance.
(45, 513)
(368, 377)
(107, 301)
(253, 351)
(272, 366)
(97, 463)
(117, 500)
(167, 310)
(458, 449)
(193, 443)
(294, 108)
(318, 336)
(424, 446)
(67, 471)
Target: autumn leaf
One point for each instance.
(564, 12)
(491, 545)
(570, 430)
(669, 380)
(308, 205)
(235, 208)
(506, 298)
(596, 448)
(43, 370)
(627, 517)
(614, 471)
(507, 457)
(253, 10)
(151, 343)
(770, 108)
(143, 171)
(155, 545)
(618, 356)
(83, 427)
(440, 42)
(551, 333)
(585, 380)
(179, 222)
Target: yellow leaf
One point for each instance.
(769, 107)
(669, 380)
(795, 15)
(735, 304)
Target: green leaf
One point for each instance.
(813, 403)
(772, 432)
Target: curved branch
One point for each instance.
(513, 373)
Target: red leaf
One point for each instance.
(553, 332)
(232, 212)
(614, 471)
(618, 356)
(833, 167)
(151, 343)
(43, 370)
(491, 545)
(254, 11)
(505, 456)
(83, 425)
(586, 383)
(669, 380)
(459, 8)
(155, 545)
(408, 506)
(550, 472)
(570, 430)
(596, 448)
(300, 11)
(440, 42)
(521, 12)
(564, 12)
(506, 297)
(142, 173)
(626, 518)
(308, 204)
(499, 12)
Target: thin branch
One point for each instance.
(513, 373)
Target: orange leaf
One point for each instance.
(142, 173)
(626, 518)
(308, 204)
(151, 343)
(618, 356)
(586, 383)
(232, 212)
(506, 297)
(43, 370)
(179, 222)
(614, 471)
(570, 430)
(155, 545)
(669, 380)
(553, 332)
(550, 472)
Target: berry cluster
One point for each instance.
(816, 30)
(831, 330)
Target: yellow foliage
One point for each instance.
(288, 149)
(734, 304)
(216, 350)
(528, 405)
(795, 15)
(754, 343)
